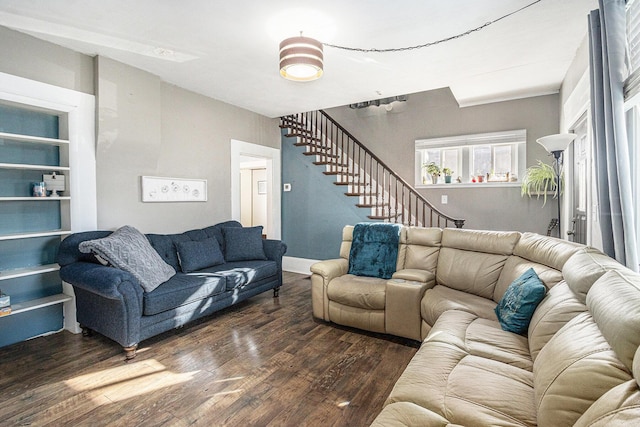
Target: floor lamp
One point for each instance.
(555, 145)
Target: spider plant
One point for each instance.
(540, 180)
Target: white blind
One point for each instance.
(632, 84)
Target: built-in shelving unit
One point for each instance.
(32, 280)
(43, 129)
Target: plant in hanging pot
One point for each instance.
(432, 170)
(447, 175)
(540, 180)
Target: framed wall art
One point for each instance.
(162, 189)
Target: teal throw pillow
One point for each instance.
(518, 303)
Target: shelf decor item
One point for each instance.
(54, 184)
(39, 189)
(432, 170)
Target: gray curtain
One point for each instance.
(607, 40)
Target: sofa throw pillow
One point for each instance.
(374, 249)
(129, 250)
(520, 300)
(243, 243)
(196, 255)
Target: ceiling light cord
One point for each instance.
(420, 46)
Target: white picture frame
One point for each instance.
(157, 189)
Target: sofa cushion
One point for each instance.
(466, 389)
(481, 337)
(558, 307)
(243, 273)
(489, 242)
(585, 267)
(420, 248)
(357, 291)
(577, 354)
(479, 275)
(545, 250)
(243, 243)
(518, 303)
(440, 299)
(129, 250)
(407, 414)
(164, 244)
(374, 250)
(613, 301)
(618, 407)
(516, 266)
(196, 255)
(182, 289)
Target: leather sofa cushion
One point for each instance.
(361, 318)
(490, 242)
(466, 389)
(573, 370)
(357, 291)
(481, 337)
(441, 298)
(545, 250)
(419, 248)
(618, 407)
(585, 267)
(613, 301)
(516, 266)
(558, 307)
(403, 414)
(478, 276)
(239, 274)
(181, 289)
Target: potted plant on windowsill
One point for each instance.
(432, 170)
(447, 175)
(540, 180)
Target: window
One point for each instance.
(493, 157)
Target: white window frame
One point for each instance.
(515, 138)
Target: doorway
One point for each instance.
(253, 192)
(580, 178)
(249, 156)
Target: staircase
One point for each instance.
(362, 173)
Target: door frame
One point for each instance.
(273, 160)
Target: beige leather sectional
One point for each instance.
(579, 364)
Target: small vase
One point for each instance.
(447, 179)
(434, 179)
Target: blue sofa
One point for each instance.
(113, 303)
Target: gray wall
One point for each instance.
(392, 136)
(145, 127)
(148, 127)
(28, 57)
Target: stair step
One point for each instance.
(329, 162)
(341, 173)
(371, 205)
(305, 137)
(320, 153)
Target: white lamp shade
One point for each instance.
(301, 59)
(557, 142)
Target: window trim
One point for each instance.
(517, 137)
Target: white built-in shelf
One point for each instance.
(33, 139)
(22, 199)
(35, 304)
(28, 271)
(34, 234)
(24, 166)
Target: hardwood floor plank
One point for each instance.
(263, 362)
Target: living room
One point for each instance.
(266, 360)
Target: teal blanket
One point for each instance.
(374, 249)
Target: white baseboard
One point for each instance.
(297, 265)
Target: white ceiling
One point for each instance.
(228, 50)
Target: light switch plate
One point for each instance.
(286, 187)
(444, 199)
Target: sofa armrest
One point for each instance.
(274, 249)
(107, 282)
(331, 268)
(402, 307)
(416, 275)
(323, 273)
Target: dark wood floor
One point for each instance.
(263, 362)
